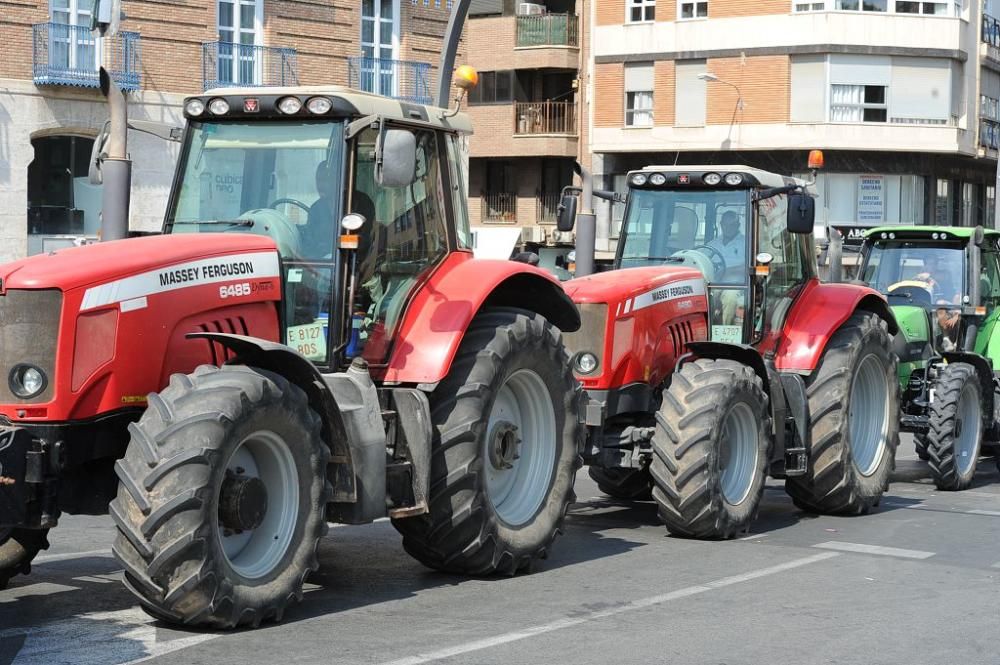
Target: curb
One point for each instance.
(908, 471)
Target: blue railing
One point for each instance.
(246, 65)
(402, 79)
(991, 31)
(72, 55)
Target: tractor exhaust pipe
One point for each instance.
(586, 225)
(116, 167)
(835, 255)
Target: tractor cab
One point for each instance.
(747, 231)
(323, 172)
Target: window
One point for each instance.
(862, 5)
(809, 6)
(858, 103)
(61, 200)
(619, 184)
(690, 94)
(460, 193)
(788, 269)
(493, 88)
(379, 37)
(930, 8)
(639, 95)
(239, 24)
(71, 44)
(641, 10)
(693, 9)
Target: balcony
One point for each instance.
(72, 55)
(499, 208)
(532, 118)
(405, 80)
(548, 30)
(248, 65)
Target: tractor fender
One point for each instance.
(817, 314)
(295, 367)
(984, 372)
(441, 311)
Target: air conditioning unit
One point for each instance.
(529, 9)
(533, 234)
(562, 237)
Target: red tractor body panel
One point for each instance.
(816, 315)
(651, 313)
(126, 311)
(444, 306)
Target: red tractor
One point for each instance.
(712, 356)
(317, 344)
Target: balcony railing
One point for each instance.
(72, 55)
(248, 65)
(991, 31)
(499, 208)
(989, 134)
(400, 79)
(547, 207)
(548, 30)
(544, 118)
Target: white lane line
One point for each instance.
(38, 589)
(49, 558)
(932, 509)
(860, 548)
(990, 513)
(517, 635)
(755, 536)
(100, 638)
(996, 565)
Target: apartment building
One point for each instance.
(529, 115)
(51, 110)
(902, 95)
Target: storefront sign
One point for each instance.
(871, 199)
(853, 235)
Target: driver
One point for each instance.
(937, 275)
(731, 242)
(319, 234)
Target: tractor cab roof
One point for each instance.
(911, 232)
(262, 103)
(695, 176)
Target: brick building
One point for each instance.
(529, 115)
(902, 95)
(51, 110)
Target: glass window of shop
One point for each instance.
(869, 199)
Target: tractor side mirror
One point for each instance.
(94, 173)
(566, 213)
(396, 158)
(801, 213)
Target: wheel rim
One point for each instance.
(520, 448)
(738, 454)
(868, 415)
(967, 429)
(253, 553)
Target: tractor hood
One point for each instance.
(67, 269)
(912, 322)
(621, 285)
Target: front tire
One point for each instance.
(222, 498)
(18, 547)
(711, 447)
(505, 452)
(956, 434)
(630, 484)
(854, 421)
(920, 445)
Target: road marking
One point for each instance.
(517, 635)
(49, 558)
(996, 565)
(860, 548)
(38, 589)
(106, 578)
(989, 513)
(98, 638)
(754, 536)
(931, 509)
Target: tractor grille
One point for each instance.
(590, 336)
(29, 329)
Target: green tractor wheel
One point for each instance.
(920, 443)
(956, 433)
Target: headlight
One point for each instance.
(195, 107)
(27, 381)
(585, 362)
(734, 179)
(218, 106)
(712, 178)
(319, 105)
(289, 105)
(658, 179)
(639, 179)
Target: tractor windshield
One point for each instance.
(274, 178)
(918, 273)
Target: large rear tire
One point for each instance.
(630, 484)
(506, 449)
(18, 548)
(955, 438)
(222, 498)
(711, 446)
(854, 420)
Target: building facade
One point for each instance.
(901, 95)
(51, 110)
(529, 115)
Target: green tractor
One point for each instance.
(943, 285)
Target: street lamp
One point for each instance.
(707, 76)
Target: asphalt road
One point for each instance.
(918, 581)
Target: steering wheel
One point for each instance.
(294, 202)
(713, 254)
